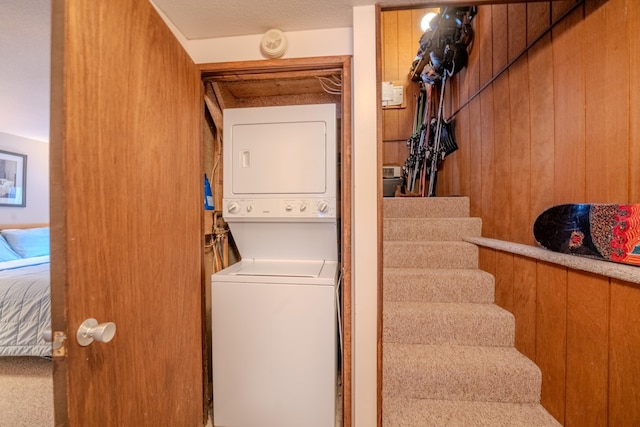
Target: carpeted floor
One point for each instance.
(26, 392)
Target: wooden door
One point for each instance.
(126, 212)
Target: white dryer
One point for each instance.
(275, 345)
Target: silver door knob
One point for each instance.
(91, 331)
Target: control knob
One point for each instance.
(323, 207)
(233, 207)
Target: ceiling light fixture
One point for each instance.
(426, 19)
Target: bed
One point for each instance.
(25, 307)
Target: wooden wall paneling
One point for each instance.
(462, 138)
(524, 305)
(460, 174)
(633, 35)
(483, 44)
(486, 159)
(504, 280)
(475, 160)
(520, 173)
(389, 45)
(288, 99)
(487, 260)
(538, 19)
(624, 355)
(569, 96)
(587, 349)
(474, 168)
(407, 45)
(520, 151)
(501, 205)
(542, 128)
(607, 102)
(558, 7)
(391, 153)
(487, 164)
(392, 145)
(500, 36)
(551, 336)
(517, 28)
(501, 125)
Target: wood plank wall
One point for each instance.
(400, 34)
(562, 125)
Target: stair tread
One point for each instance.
(399, 412)
(427, 272)
(452, 254)
(431, 229)
(452, 372)
(428, 243)
(408, 207)
(438, 285)
(430, 309)
(425, 354)
(447, 323)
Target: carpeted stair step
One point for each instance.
(467, 373)
(438, 285)
(435, 229)
(447, 323)
(424, 207)
(398, 412)
(430, 255)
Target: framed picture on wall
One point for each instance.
(13, 179)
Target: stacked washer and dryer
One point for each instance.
(274, 313)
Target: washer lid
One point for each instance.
(281, 268)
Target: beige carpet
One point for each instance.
(26, 392)
(448, 351)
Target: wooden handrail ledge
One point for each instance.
(627, 273)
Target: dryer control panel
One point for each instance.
(279, 209)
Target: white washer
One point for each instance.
(275, 351)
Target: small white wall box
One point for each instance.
(392, 94)
(391, 171)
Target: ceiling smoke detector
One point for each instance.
(273, 44)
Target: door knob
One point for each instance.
(91, 331)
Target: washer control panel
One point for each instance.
(275, 209)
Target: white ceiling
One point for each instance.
(202, 19)
(25, 42)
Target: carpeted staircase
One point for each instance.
(448, 351)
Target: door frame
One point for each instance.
(316, 66)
